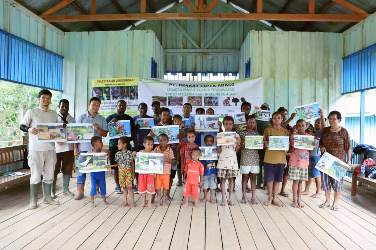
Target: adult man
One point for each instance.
(100, 129)
(140, 134)
(42, 156)
(64, 152)
(119, 115)
(156, 106)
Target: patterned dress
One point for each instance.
(227, 162)
(249, 160)
(126, 173)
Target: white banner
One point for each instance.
(224, 97)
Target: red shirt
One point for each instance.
(186, 151)
(193, 169)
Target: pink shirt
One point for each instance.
(194, 169)
(298, 157)
(168, 157)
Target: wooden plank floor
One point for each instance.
(78, 225)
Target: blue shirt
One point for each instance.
(209, 167)
(88, 118)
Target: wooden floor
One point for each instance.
(77, 225)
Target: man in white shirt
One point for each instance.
(42, 156)
(64, 152)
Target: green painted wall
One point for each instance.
(298, 67)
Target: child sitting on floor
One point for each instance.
(194, 175)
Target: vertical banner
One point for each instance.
(224, 97)
(111, 90)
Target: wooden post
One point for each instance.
(311, 6)
(93, 7)
(259, 6)
(143, 6)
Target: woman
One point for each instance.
(336, 141)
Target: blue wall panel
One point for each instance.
(26, 63)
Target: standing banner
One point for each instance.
(111, 90)
(224, 97)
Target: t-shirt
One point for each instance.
(63, 146)
(88, 118)
(186, 151)
(194, 169)
(336, 143)
(31, 118)
(168, 157)
(298, 157)
(124, 159)
(209, 167)
(275, 156)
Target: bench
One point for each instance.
(11, 167)
(358, 180)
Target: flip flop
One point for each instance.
(334, 208)
(324, 205)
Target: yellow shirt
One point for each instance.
(275, 156)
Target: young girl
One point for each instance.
(249, 161)
(124, 158)
(274, 160)
(194, 173)
(299, 161)
(210, 172)
(227, 167)
(146, 184)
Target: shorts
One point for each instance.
(146, 183)
(327, 183)
(274, 172)
(312, 171)
(249, 169)
(227, 173)
(210, 181)
(126, 177)
(298, 174)
(162, 181)
(98, 179)
(64, 163)
(191, 190)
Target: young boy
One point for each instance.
(210, 173)
(194, 173)
(97, 178)
(124, 158)
(146, 182)
(162, 181)
(176, 168)
(187, 147)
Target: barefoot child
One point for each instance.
(274, 160)
(227, 167)
(299, 161)
(194, 175)
(162, 181)
(97, 178)
(187, 147)
(210, 173)
(124, 158)
(249, 160)
(146, 185)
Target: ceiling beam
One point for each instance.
(93, 7)
(311, 6)
(82, 10)
(142, 6)
(60, 5)
(202, 51)
(207, 16)
(211, 5)
(322, 9)
(351, 7)
(259, 6)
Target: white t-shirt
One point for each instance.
(63, 146)
(31, 119)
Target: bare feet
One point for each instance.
(300, 205)
(125, 204)
(284, 194)
(106, 202)
(244, 200)
(212, 201)
(145, 205)
(223, 203)
(316, 195)
(295, 204)
(305, 192)
(277, 203)
(254, 201)
(230, 203)
(267, 203)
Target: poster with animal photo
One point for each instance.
(304, 142)
(254, 142)
(119, 129)
(92, 162)
(263, 115)
(206, 123)
(278, 143)
(149, 163)
(332, 166)
(51, 132)
(79, 132)
(308, 112)
(226, 138)
(239, 118)
(145, 123)
(172, 131)
(208, 153)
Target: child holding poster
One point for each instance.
(187, 146)
(194, 173)
(249, 160)
(124, 159)
(176, 168)
(210, 172)
(162, 181)
(146, 185)
(227, 168)
(97, 178)
(299, 161)
(274, 160)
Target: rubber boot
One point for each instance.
(33, 196)
(80, 192)
(47, 195)
(66, 179)
(53, 190)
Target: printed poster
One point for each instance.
(332, 166)
(278, 143)
(205, 123)
(51, 132)
(149, 163)
(226, 138)
(254, 141)
(119, 129)
(79, 132)
(145, 123)
(208, 153)
(239, 118)
(92, 162)
(308, 112)
(304, 142)
(263, 115)
(172, 131)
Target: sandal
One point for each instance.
(324, 205)
(334, 208)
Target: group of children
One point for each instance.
(205, 175)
